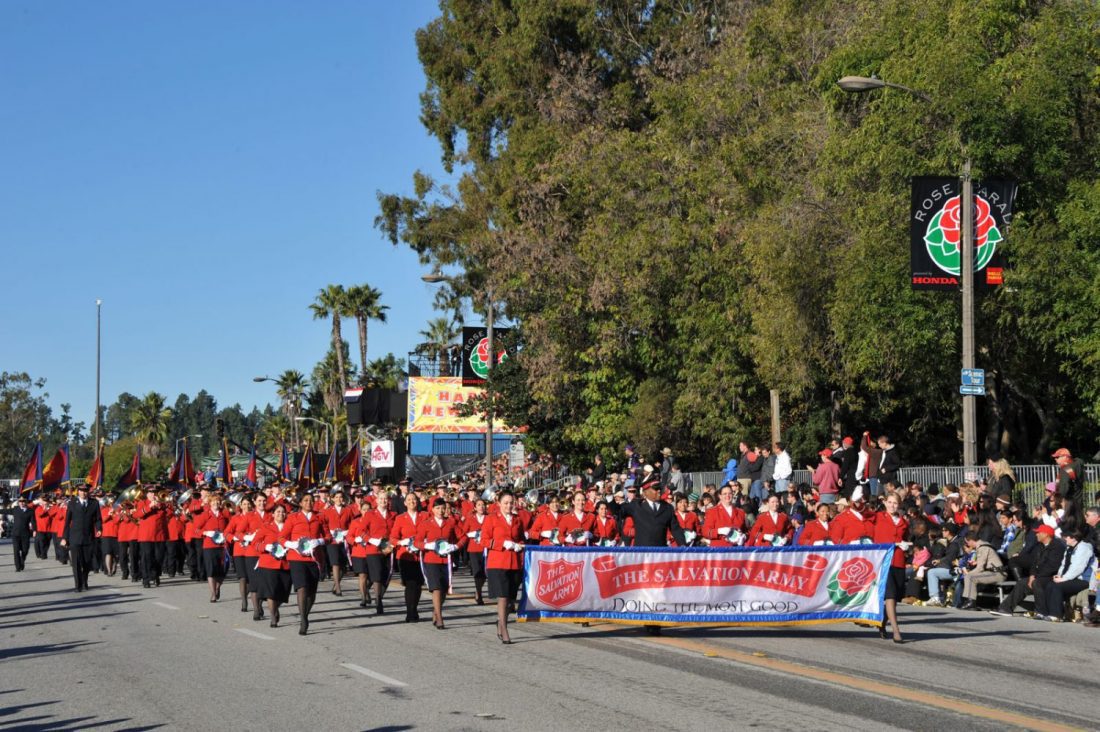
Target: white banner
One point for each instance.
(381, 454)
(727, 586)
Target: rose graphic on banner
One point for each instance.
(479, 358)
(944, 235)
(852, 582)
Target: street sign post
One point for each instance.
(973, 377)
(967, 390)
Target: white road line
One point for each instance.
(373, 674)
(166, 606)
(254, 634)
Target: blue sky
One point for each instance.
(204, 168)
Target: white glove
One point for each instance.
(568, 539)
(471, 534)
(769, 537)
(781, 542)
(209, 534)
(819, 542)
(404, 542)
(269, 547)
(372, 542)
(904, 545)
(517, 547)
(724, 531)
(546, 534)
(509, 544)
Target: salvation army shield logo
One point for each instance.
(943, 237)
(559, 583)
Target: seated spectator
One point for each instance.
(986, 568)
(1073, 576)
(943, 568)
(1046, 562)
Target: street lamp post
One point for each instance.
(98, 323)
(436, 278)
(857, 84)
(319, 421)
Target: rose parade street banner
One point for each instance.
(724, 586)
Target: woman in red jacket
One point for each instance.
(109, 539)
(605, 529)
(305, 534)
(473, 528)
(403, 536)
(855, 523)
(437, 538)
(545, 529)
(890, 527)
(724, 524)
(273, 570)
(772, 527)
(688, 520)
(503, 537)
(235, 532)
(370, 553)
(337, 520)
(57, 527)
(816, 532)
(211, 525)
(576, 526)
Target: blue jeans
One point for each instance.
(758, 491)
(827, 498)
(935, 576)
(781, 485)
(873, 486)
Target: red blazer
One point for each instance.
(569, 523)
(209, 521)
(153, 525)
(299, 526)
(270, 533)
(470, 526)
(337, 521)
(127, 526)
(254, 522)
(57, 519)
(605, 529)
(405, 527)
(110, 522)
(428, 532)
(888, 532)
(545, 521)
(371, 525)
(494, 533)
(688, 522)
(718, 518)
(234, 533)
(196, 508)
(175, 528)
(765, 524)
(814, 531)
(850, 526)
(43, 519)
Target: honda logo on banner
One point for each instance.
(381, 454)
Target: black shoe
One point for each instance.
(969, 605)
(156, 582)
(257, 616)
(303, 626)
(378, 607)
(362, 603)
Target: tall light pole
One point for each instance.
(98, 331)
(436, 278)
(966, 267)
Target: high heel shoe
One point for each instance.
(882, 632)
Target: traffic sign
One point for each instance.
(968, 390)
(973, 377)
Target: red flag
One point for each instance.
(56, 472)
(133, 475)
(95, 473)
(32, 474)
(183, 470)
(250, 474)
(349, 466)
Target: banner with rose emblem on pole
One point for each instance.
(707, 586)
(475, 353)
(935, 233)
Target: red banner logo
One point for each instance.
(559, 582)
(792, 579)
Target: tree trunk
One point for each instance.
(362, 345)
(338, 344)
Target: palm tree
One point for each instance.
(363, 305)
(439, 339)
(291, 386)
(149, 421)
(387, 371)
(332, 302)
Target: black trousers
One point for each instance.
(20, 548)
(198, 569)
(60, 553)
(135, 560)
(81, 558)
(173, 557)
(42, 544)
(152, 557)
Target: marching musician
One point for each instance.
(57, 526)
(305, 530)
(273, 581)
(337, 520)
(370, 553)
(503, 536)
(152, 533)
(108, 541)
(438, 538)
(43, 526)
(473, 527)
(403, 536)
(212, 525)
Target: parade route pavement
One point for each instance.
(121, 657)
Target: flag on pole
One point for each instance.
(330, 466)
(306, 474)
(133, 475)
(183, 470)
(32, 474)
(225, 467)
(250, 474)
(56, 472)
(350, 466)
(95, 473)
(284, 463)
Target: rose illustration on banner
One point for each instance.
(852, 582)
(479, 358)
(944, 234)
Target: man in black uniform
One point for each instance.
(83, 525)
(653, 521)
(22, 529)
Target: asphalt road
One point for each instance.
(120, 657)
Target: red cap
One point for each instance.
(826, 453)
(1062, 452)
(1045, 529)
(848, 442)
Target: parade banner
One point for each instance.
(935, 234)
(475, 353)
(433, 403)
(717, 586)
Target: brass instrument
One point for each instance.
(184, 498)
(129, 495)
(235, 498)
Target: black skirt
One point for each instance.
(273, 584)
(359, 565)
(305, 575)
(240, 566)
(477, 565)
(505, 583)
(378, 568)
(213, 561)
(438, 577)
(895, 583)
(411, 576)
(252, 572)
(109, 545)
(337, 554)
